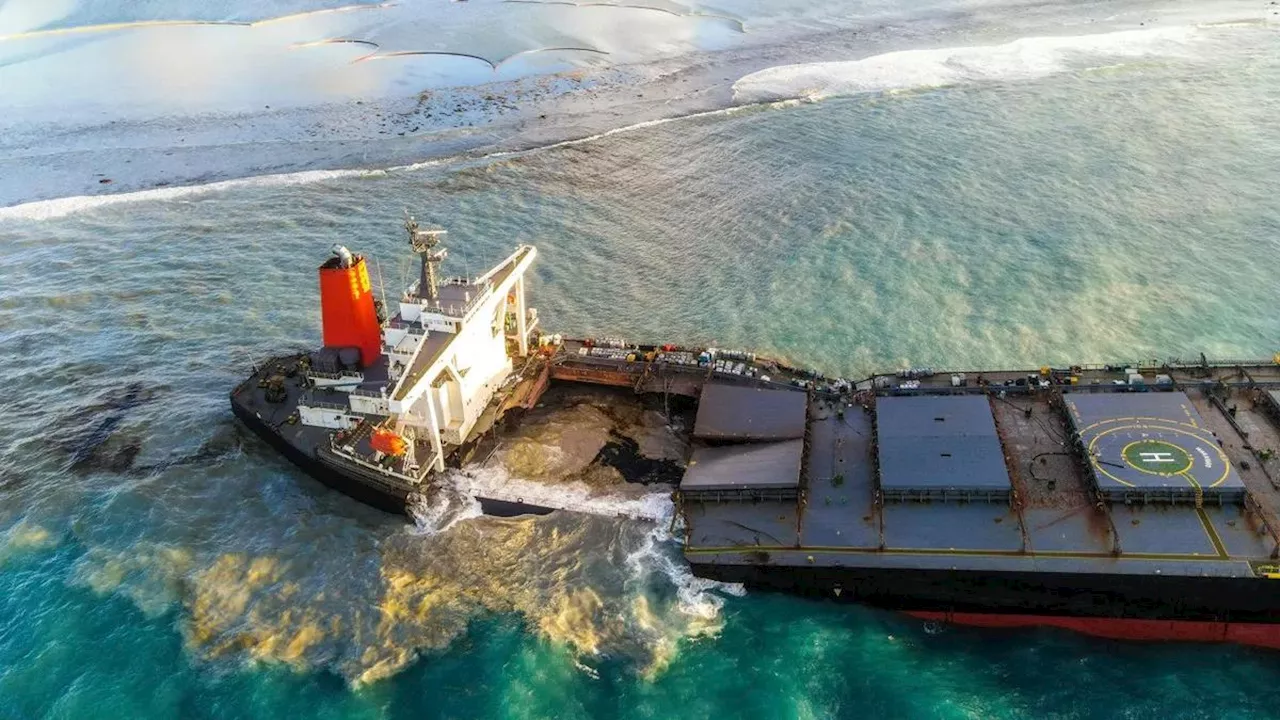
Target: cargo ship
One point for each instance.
(1136, 500)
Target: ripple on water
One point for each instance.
(589, 584)
(971, 227)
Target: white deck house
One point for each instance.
(445, 353)
(449, 355)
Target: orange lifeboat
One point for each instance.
(386, 441)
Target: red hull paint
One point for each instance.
(1260, 634)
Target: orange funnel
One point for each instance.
(346, 307)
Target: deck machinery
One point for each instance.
(1083, 499)
(1129, 501)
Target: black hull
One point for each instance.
(350, 483)
(1083, 595)
(507, 508)
(384, 499)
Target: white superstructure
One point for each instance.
(445, 353)
(457, 359)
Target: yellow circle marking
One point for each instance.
(1137, 419)
(1226, 464)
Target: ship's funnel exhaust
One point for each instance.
(345, 258)
(346, 306)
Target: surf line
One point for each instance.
(48, 209)
(741, 25)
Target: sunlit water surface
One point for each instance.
(1096, 215)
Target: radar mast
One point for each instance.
(425, 244)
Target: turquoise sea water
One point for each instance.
(1098, 215)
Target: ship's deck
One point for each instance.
(433, 348)
(1058, 519)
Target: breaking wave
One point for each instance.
(626, 502)
(54, 208)
(61, 207)
(1023, 59)
(720, 112)
(440, 510)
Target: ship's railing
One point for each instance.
(741, 495)
(483, 284)
(1252, 505)
(783, 375)
(413, 327)
(455, 310)
(1173, 496)
(1154, 363)
(636, 365)
(945, 495)
(367, 393)
(373, 474)
(344, 375)
(1143, 363)
(962, 390)
(338, 450)
(308, 402)
(451, 309)
(1115, 367)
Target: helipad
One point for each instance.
(1151, 447)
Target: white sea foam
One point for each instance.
(1023, 59)
(61, 207)
(442, 510)
(453, 500)
(699, 597)
(497, 483)
(736, 109)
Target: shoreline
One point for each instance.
(360, 136)
(49, 170)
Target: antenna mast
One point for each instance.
(382, 287)
(424, 243)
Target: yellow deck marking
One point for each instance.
(1138, 419)
(1168, 427)
(1209, 530)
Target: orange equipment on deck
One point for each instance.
(346, 306)
(386, 441)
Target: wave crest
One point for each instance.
(1023, 59)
